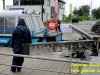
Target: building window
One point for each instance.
(61, 5)
(48, 2)
(29, 2)
(15, 2)
(24, 2)
(32, 2)
(52, 12)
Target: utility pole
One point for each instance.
(91, 10)
(3, 4)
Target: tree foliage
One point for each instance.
(96, 13)
(75, 12)
(82, 11)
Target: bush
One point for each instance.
(66, 19)
(84, 18)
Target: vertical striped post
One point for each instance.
(56, 8)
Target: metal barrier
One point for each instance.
(50, 59)
(54, 47)
(43, 48)
(82, 32)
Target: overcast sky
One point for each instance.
(75, 3)
(78, 3)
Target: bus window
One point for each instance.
(35, 23)
(7, 25)
(29, 23)
(40, 23)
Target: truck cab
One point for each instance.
(9, 20)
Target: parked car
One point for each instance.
(75, 20)
(96, 27)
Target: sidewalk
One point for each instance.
(33, 66)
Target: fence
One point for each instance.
(47, 61)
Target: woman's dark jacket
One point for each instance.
(20, 35)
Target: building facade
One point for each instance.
(44, 7)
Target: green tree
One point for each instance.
(84, 10)
(82, 13)
(75, 12)
(96, 13)
(70, 15)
